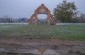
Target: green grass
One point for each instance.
(63, 32)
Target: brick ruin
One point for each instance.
(42, 10)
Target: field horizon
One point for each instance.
(62, 31)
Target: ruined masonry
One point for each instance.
(42, 10)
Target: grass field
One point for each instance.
(63, 32)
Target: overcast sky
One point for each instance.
(25, 8)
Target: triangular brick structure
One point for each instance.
(42, 10)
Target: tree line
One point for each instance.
(79, 19)
(7, 19)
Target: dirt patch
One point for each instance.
(23, 45)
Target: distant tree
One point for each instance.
(42, 21)
(6, 19)
(23, 20)
(65, 11)
(76, 20)
(82, 18)
(0, 20)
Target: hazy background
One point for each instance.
(25, 8)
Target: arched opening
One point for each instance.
(42, 19)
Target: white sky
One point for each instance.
(25, 8)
